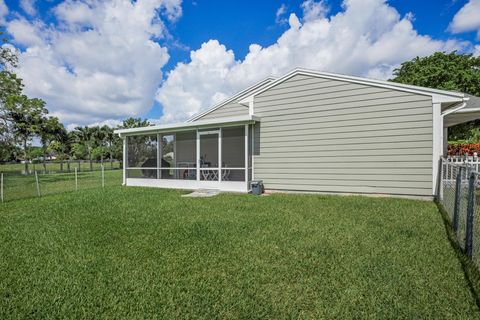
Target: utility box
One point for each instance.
(257, 187)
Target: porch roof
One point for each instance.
(185, 126)
(470, 112)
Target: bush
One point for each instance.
(461, 149)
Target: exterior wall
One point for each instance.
(327, 135)
(229, 110)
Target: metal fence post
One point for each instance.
(470, 214)
(103, 177)
(1, 186)
(456, 208)
(76, 182)
(38, 186)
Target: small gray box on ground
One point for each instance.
(257, 187)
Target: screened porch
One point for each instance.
(217, 157)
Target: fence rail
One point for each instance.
(459, 195)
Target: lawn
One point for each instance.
(24, 186)
(149, 253)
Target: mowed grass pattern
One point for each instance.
(149, 253)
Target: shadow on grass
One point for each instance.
(470, 270)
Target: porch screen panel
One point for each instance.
(186, 149)
(142, 156)
(233, 153)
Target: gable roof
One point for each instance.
(238, 96)
(438, 96)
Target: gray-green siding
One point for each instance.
(229, 110)
(327, 135)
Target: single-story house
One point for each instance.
(306, 131)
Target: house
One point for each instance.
(306, 131)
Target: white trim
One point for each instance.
(159, 153)
(253, 151)
(230, 186)
(250, 90)
(246, 155)
(210, 123)
(125, 159)
(438, 96)
(437, 143)
(198, 156)
(220, 155)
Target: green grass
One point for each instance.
(55, 166)
(149, 253)
(24, 186)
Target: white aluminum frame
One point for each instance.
(224, 185)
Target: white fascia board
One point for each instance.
(438, 96)
(184, 126)
(248, 91)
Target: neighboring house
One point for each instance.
(305, 131)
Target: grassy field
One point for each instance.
(149, 253)
(24, 186)
(55, 166)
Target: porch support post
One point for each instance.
(445, 142)
(246, 157)
(220, 154)
(437, 144)
(198, 156)
(159, 155)
(125, 159)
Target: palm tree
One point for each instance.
(84, 137)
(62, 145)
(110, 139)
(48, 129)
(98, 134)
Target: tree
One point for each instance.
(111, 140)
(134, 123)
(10, 85)
(48, 129)
(453, 71)
(62, 145)
(84, 137)
(98, 134)
(26, 116)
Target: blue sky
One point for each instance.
(72, 48)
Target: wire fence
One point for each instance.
(459, 195)
(38, 184)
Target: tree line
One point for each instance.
(23, 119)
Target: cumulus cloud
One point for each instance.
(313, 10)
(467, 18)
(367, 38)
(28, 6)
(279, 15)
(3, 12)
(101, 60)
(476, 51)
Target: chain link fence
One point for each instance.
(459, 195)
(20, 186)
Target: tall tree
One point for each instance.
(10, 85)
(84, 137)
(26, 116)
(452, 71)
(111, 139)
(48, 129)
(134, 123)
(62, 145)
(98, 134)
